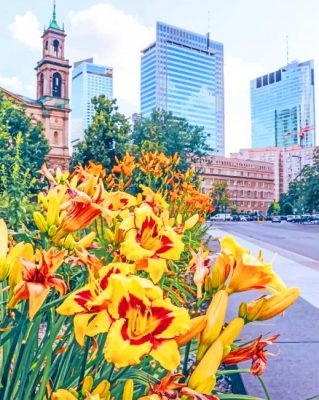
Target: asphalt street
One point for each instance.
(301, 239)
(293, 372)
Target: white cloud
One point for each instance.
(238, 74)
(26, 29)
(114, 39)
(15, 85)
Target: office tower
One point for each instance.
(182, 72)
(283, 107)
(88, 80)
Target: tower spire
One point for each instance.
(54, 12)
(53, 22)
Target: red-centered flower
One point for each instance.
(254, 351)
(149, 242)
(38, 279)
(89, 304)
(144, 323)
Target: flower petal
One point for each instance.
(167, 354)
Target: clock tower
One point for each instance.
(53, 92)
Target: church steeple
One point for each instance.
(53, 68)
(53, 22)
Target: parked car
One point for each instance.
(235, 217)
(297, 218)
(290, 218)
(242, 218)
(221, 217)
(276, 218)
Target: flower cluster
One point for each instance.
(115, 285)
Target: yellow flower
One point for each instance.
(196, 327)
(11, 260)
(215, 315)
(144, 323)
(269, 306)
(128, 391)
(149, 242)
(100, 392)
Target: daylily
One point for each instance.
(10, 259)
(254, 351)
(268, 307)
(81, 210)
(200, 265)
(89, 304)
(148, 242)
(38, 279)
(126, 166)
(154, 200)
(170, 388)
(100, 392)
(144, 323)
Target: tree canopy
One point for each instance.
(221, 196)
(303, 192)
(17, 130)
(23, 148)
(166, 133)
(105, 138)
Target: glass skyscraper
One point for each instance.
(283, 107)
(183, 72)
(88, 80)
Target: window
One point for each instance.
(278, 75)
(56, 85)
(41, 84)
(258, 83)
(271, 78)
(56, 48)
(56, 137)
(265, 80)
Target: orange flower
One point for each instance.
(126, 166)
(81, 210)
(38, 280)
(254, 351)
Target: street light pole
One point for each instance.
(299, 176)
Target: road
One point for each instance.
(293, 373)
(301, 239)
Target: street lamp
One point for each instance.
(299, 175)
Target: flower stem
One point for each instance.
(264, 388)
(186, 356)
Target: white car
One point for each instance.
(242, 218)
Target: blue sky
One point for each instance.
(253, 33)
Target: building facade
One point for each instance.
(250, 183)
(183, 72)
(88, 80)
(287, 161)
(51, 106)
(283, 107)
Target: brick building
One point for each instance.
(51, 106)
(288, 162)
(250, 183)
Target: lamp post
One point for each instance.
(299, 175)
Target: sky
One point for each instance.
(115, 31)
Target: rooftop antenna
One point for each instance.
(208, 28)
(287, 48)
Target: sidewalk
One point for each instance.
(294, 374)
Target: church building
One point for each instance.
(51, 106)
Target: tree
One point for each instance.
(18, 131)
(166, 133)
(274, 208)
(105, 138)
(220, 196)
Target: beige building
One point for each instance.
(250, 183)
(288, 162)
